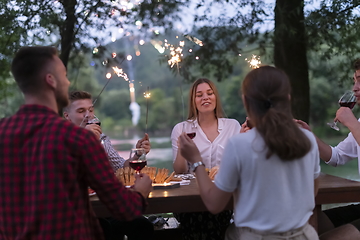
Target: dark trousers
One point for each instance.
(204, 225)
(137, 229)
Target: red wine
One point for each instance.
(191, 135)
(137, 165)
(98, 123)
(350, 105)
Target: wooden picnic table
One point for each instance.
(186, 198)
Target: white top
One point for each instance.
(345, 151)
(211, 152)
(270, 195)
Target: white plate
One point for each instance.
(92, 194)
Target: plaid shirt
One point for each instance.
(116, 161)
(46, 166)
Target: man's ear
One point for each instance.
(50, 80)
(66, 115)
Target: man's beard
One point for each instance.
(61, 101)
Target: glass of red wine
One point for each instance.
(191, 135)
(346, 100)
(137, 160)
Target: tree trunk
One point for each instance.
(290, 53)
(67, 30)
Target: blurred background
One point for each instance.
(161, 47)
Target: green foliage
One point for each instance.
(233, 105)
(10, 97)
(115, 104)
(75, 27)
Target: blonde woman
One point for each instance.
(210, 132)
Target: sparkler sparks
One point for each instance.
(194, 39)
(175, 53)
(254, 62)
(120, 73)
(147, 95)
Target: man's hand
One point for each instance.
(188, 149)
(143, 184)
(96, 129)
(144, 143)
(346, 117)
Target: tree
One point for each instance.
(290, 41)
(74, 25)
(330, 30)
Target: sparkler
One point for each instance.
(147, 95)
(176, 54)
(254, 62)
(120, 73)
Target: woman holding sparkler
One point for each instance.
(270, 171)
(210, 131)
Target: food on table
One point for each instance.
(213, 171)
(157, 175)
(126, 176)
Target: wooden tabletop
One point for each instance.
(186, 198)
(334, 189)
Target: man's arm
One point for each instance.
(324, 149)
(347, 118)
(116, 161)
(122, 203)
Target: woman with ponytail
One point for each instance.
(271, 170)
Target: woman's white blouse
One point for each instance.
(211, 152)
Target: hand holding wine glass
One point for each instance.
(93, 123)
(93, 120)
(346, 100)
(137, 160)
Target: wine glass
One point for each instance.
(137, 159)
(346, 100)
(93, 120)
(190, 134)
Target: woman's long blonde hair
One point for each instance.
(193, 111)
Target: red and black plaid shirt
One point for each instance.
(46, 166)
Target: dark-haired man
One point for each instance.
(80, 109)
(78, 112)
(342, 223)
(47, 163)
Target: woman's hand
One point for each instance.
(302, 124)
(188, 149)
(246, 126)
